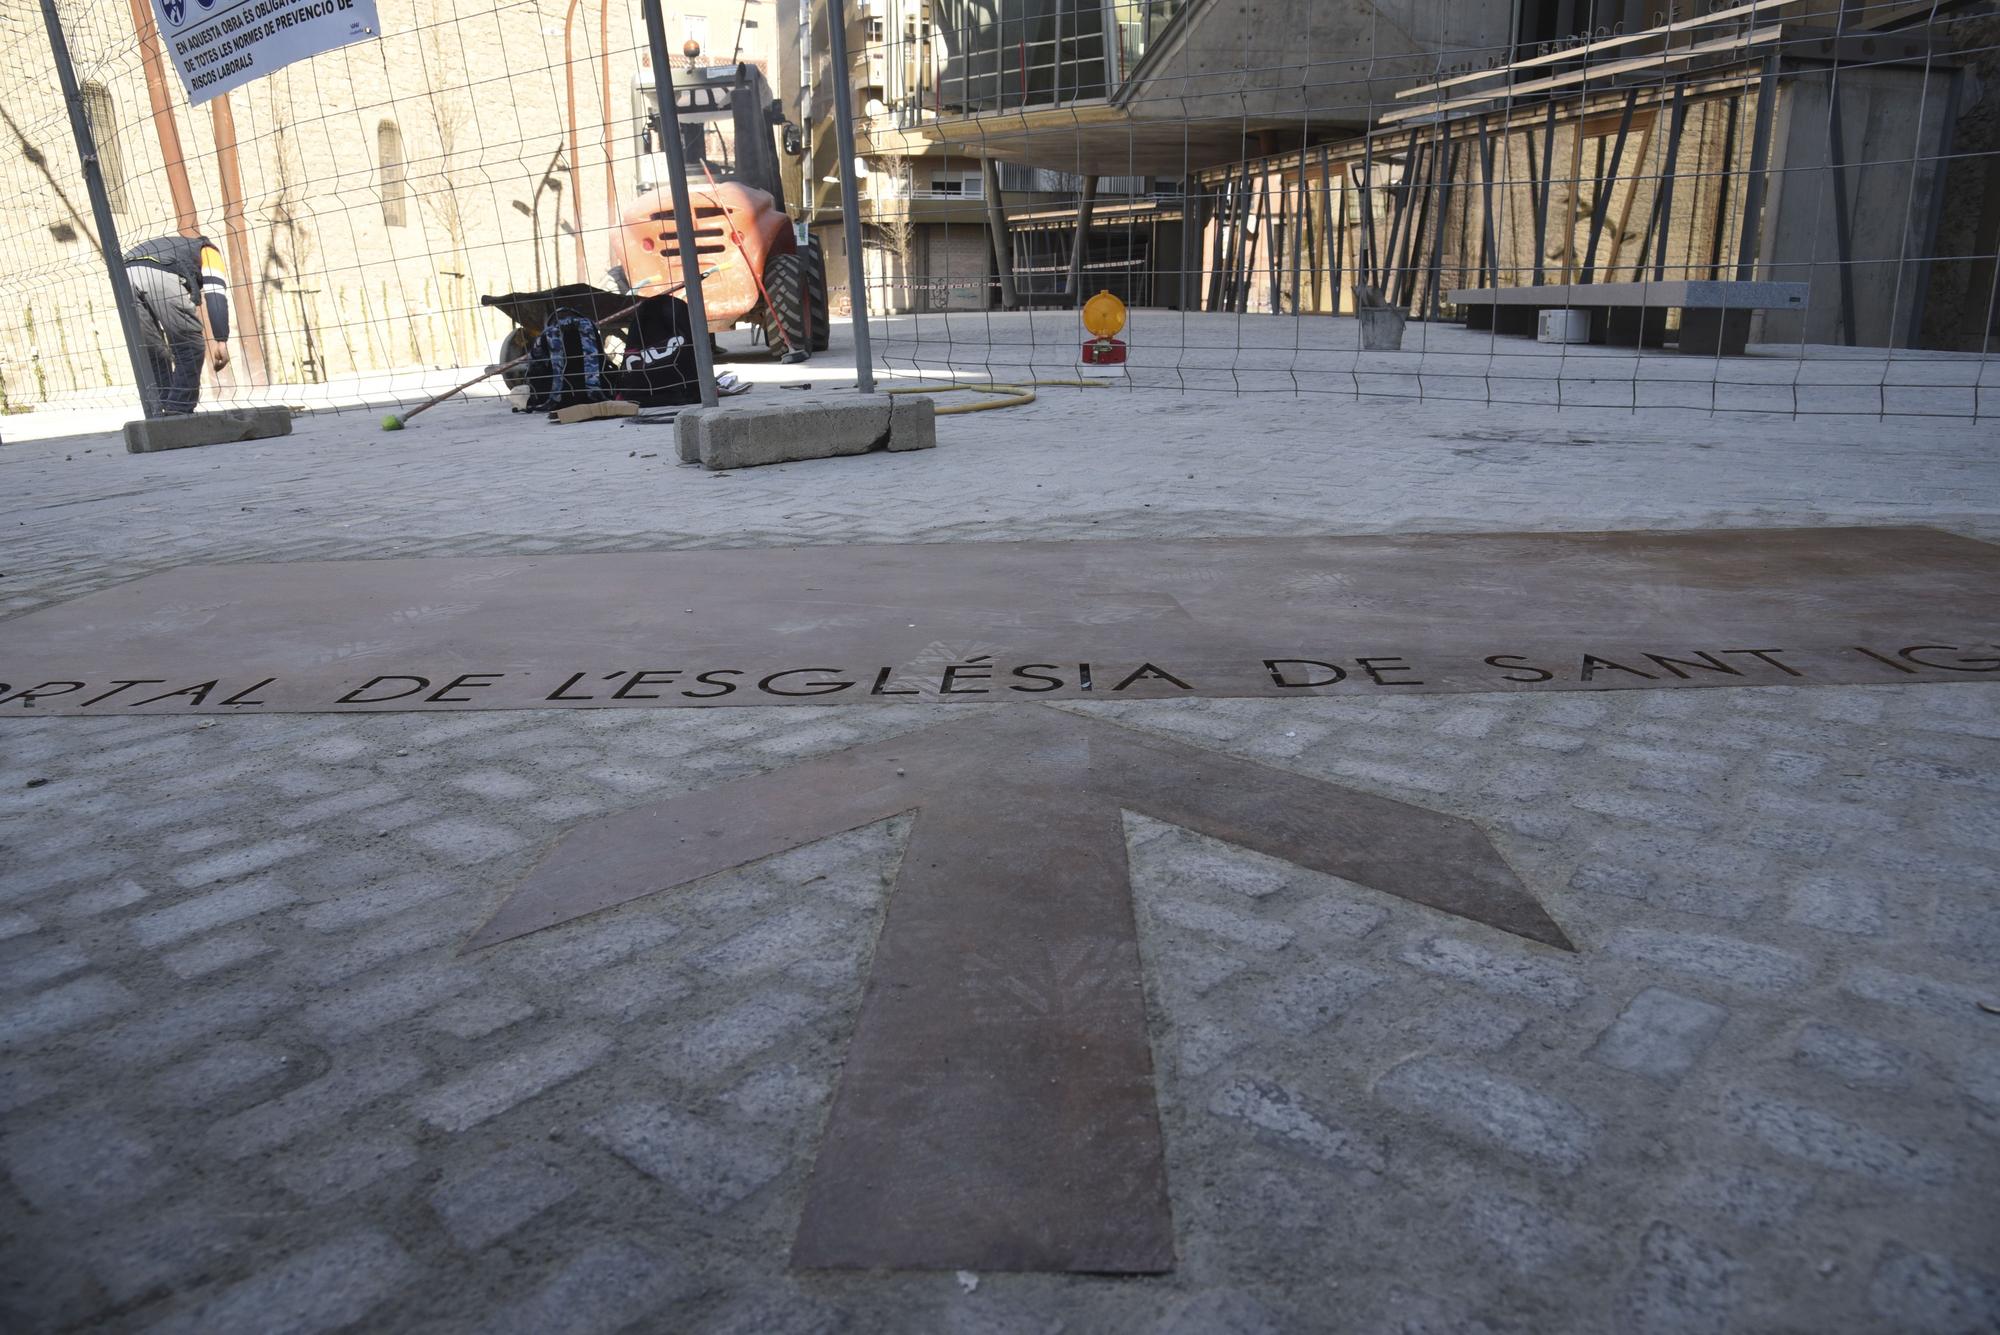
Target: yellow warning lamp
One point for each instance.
(1104, 315)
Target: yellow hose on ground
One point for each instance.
(1019, 394)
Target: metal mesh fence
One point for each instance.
(1787, 207)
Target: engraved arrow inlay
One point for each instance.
(997, 1108)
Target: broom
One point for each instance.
(397, 421)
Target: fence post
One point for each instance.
(100, 209)
(684, 219)
(850, 202)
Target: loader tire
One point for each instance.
(512, 348)
(817, 314)
(786, 325)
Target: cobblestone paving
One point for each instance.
(247, 1082)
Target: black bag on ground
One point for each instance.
(566, 364)
(659, 367)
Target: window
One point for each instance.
(102, 118)
(390, 176)
(876, 32)
(969, 184)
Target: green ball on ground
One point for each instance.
(392, 423)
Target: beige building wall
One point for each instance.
(387, 186)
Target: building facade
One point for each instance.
(1263, 156)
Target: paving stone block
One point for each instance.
(710, 1046)
(321, 1175)
(1468, 1026)
(780, 939)
(205, 912)
(220, 1071)
(362, 1010)
(476, 1017)
(42, 967)
(1222, 1311)
(357, 907)
(1511, 971)
(605, 1288)
(1681, 1284)
(1921, 1293)
(1236, 928)
(194, 841)
(220, 426)
(1752, 1198)
(569, 953)
(500, 1085)
(324, 1102)
(215, 953)
(1946, 1000)
(1526, 1237)
(104, 899)
(322, 1288)
(1498, 1112)
(1839, 902)
(462, 842)
(1283, 1117)
(78, 1002)
(1819, 1137)
(1852, 1059)
(153, 1252)
(712, 1167)
(21, 1086)
(83, 1162)
(1721, 958)
(1306, 1001)
(778, 1094)
(628, 991)
(481, 1205)
(243, 861)
(1660, 1034)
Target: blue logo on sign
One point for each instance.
(205, 4)
(176, 11)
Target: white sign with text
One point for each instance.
(218, 45)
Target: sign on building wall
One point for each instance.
(218, 45)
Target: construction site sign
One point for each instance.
(218, 45)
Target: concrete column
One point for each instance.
(1086, 204)
(996, 227)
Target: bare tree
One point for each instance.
(893, 233)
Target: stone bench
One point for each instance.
(1715, 315)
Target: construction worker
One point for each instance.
(182, 296)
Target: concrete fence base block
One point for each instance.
(151, 434)
(744, 435)
(912, 422)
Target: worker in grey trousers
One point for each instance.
(182, 295)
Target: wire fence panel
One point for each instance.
(1787, 206)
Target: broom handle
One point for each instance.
(508, 366)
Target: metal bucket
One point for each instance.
(1382, 328)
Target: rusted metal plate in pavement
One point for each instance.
(997, 1109)
(1279, 617)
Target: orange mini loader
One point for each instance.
(760, 272)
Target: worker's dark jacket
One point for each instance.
(196, 262)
